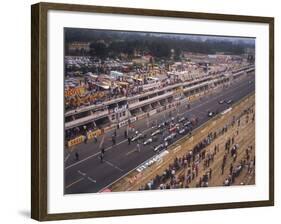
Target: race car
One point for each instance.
(170, 137)
(137, 136)
(158, 131)
(186, 124)
(211, 113)
(161, 125)
(229, 101)
(182, 131)
(148, 141)
(181, 119)
(160, 147)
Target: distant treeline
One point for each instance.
(112, 43)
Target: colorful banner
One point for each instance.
(76, 141)
(139, 117)
(92, 134)
(74, 91)
(123, 123)
(133, 119)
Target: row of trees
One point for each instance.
(157, 49)
(162, 48)
(112, 43)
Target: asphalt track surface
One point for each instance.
(89, 174)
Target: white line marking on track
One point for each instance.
(82, 173)
(92, 180)
(82, 160)
(112, 165)
(67, 157)
(130, 152)
(75, 182)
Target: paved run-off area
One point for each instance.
(240, 132)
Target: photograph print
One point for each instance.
(150, 111)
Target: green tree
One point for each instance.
(98, 49)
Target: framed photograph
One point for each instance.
(139, 111)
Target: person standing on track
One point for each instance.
(76, 156)
(113, 140)
(101, 157)
(85, 139)
(95, 139)
(102, 150)
(129, 140)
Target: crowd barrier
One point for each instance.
(123, 123)
(92, 134)
(76, 141)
